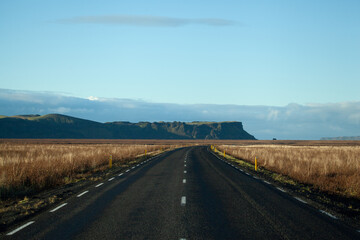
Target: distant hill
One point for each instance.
(341, 138)
(61, 126)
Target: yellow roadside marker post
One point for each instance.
(255, 164)
(145, 152)
(224, 153)
(110, 161)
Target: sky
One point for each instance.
(251, 55)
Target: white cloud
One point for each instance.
(19, 96)
(147, 21)
(92, 98)
(355, 118)
(273, 115)
(61, 110)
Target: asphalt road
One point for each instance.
(184, 194)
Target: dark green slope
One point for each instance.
(51, 126)
(61, 126)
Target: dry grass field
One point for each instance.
(31, 166)
(332, 166)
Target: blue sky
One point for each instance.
(245, 53)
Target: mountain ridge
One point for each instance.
(63, 126)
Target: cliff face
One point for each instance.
(61, 126)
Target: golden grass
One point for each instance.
(31, 167)
(335, 169)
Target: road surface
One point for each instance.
(184, 194)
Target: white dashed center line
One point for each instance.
(185, 171)
(184, 180)
(19, 228)
(120, 174)
(99, 184)
(111, 179)
(127, 170)
(185, 165)
(57, 208)
(183, 201)
(82, 193)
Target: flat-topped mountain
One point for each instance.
(61, 126)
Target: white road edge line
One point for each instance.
(111, 179)
(99, 184)
(184, 180)
(120, 174)
(267, 182)
(57, 208)
(183, 201)
(300, 200)
(19, 228)
(82, 193)
(281, 189)
(330, 215)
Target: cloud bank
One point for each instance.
(293, 121)
(147, 21)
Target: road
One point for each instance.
(184, 194)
